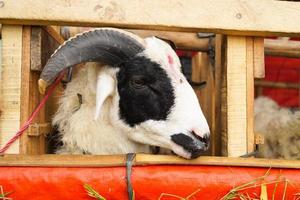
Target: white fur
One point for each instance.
(96, 127)
(280, 128)
(80, 132)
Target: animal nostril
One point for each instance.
(205, 139)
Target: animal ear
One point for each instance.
(104, 89)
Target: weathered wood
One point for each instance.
(10, 84)
(189, 41)
(238, 97)
(141, 159)
(54, 32)
(219, 46)
(30, 98)
(38, 45)
(253, 62)
(254, 17)
(275, 84)
(182, 40)
(36, 49)
(44, 41)
(234, 138)
(284, 48)
(258, 57)
(223, 120)
(39, 129)
(203, 71)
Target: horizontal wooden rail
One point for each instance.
(141, 159)
(190, 41)
(285, 48)
(274, 84)
(255, 17)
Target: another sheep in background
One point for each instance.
(280, 128)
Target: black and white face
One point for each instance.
(156, 105)
(151, 102)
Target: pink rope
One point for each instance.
(33, 114)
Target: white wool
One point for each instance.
(280, 128)
(73, 119)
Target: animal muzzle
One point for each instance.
(191, 145)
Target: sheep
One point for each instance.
(280, 128)
(134, 96)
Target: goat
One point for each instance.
(280, 128)
(133, 95)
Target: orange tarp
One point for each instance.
(149, 182)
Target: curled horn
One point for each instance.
(107, 45)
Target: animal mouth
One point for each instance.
(190, 147)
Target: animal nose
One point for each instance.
(203, 137)
(195, 145)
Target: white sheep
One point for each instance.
(280, 128)
(137, 98)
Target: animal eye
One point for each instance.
(137, 82)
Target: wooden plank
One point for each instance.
(30, 98)
(10, 84)
(189, 41)
(284, 48)
(141, 159)
(275, 84)
(54, 32)
(235, 17)
(223, 120)
(253, 62)
(236, 113)
(182, 40)
(36, 49)
(259, 57)
(219, 54)
(203, 71)
(44, 41)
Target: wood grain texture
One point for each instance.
(203, 71)
(253, 61)
(258, 57)
(276, 84)
(30, 98)
(141, 159)
(10, 84)
(285, 48)
(38, 45)
(189, 41)
(182, 40)
(219, 54)
(236, 17)
(236, 96)
(44, 41)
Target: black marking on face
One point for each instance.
(145, 91)
(195, 147)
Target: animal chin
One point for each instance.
(180, 151)
(189, 147)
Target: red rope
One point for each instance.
(33, 114)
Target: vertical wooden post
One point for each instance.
(202, 71)
(10, 84)
(237, 134)
(38, 45)
(219, 55)
(251, 64)
(258, 57)
(30, 99)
